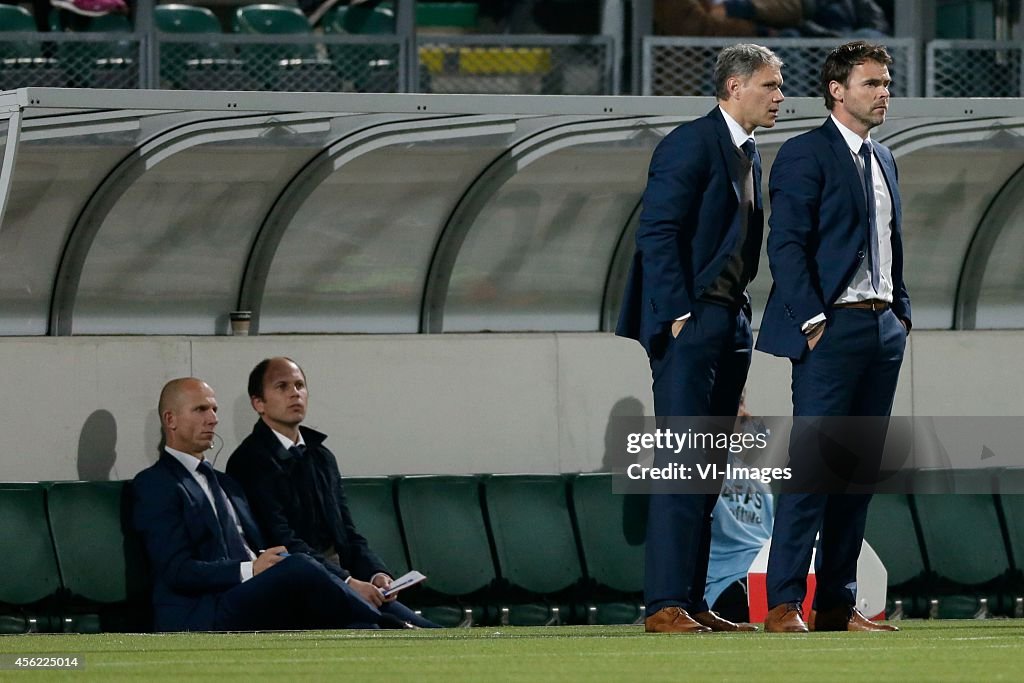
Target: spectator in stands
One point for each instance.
(540, 16)
(740, 526)
(778, 18)
(209, 570)
(295, 487)
(91, 8)
(849, 18)
(726, 17)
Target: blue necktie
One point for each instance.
(298, 450)
(233, 541)
(869, 196)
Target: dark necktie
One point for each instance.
(298, 450)
(869, 197)
(750, 149)
(233, 540)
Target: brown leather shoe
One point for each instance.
(845, 618)
(785, 618)
(673, 620)
(715, 622)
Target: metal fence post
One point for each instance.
(149, 57)
(405, 27)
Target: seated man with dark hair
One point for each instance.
(209, 571)
(296, 491)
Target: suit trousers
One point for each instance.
(700, 373)
(851, 372)
(296, 593)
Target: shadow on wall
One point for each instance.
(97, 446)
(244, 417)
(153, 436)
(634, 506)
(615, 456)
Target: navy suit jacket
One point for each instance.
(818, 235)
(182, 535)
(269, 475)
(688, 226)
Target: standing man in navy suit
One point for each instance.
(839, 310)
(697, 247)
(209, 571)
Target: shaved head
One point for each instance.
(188, 415)
(173, 391)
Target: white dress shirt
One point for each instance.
(859, 287)
(191, 463)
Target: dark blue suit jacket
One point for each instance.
(818, 236)
(182, 536)
(688, 226)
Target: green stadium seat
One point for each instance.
(612, 528)
(270, 19)
(360, 20)
(104, 570)
(30, 588)
(283, 66)
(1011, 502)
(964, 547)
(112, 64)
(16, 19)
(176, 18)
(892, 534)
(22, 62)
(371, 68)
(452, 16)
(535, 546)
(371, 500)
(380, 18)
(197, 65)
(448, 541)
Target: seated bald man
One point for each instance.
(296, 490)
(209, 567)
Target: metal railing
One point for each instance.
(72, 60)
(297, 63)
(517, 64)
(685, 66)
(492, 64)
(521, 64)
(974, 68)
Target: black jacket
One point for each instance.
(299, 502)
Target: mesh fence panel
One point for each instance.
(65, 61)
(525, 67)
(974, 69)
(685, 66)
(316, 65)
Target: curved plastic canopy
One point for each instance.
(153, 212)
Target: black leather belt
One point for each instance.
(872, 304)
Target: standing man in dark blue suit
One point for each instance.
(697, 247)
(200, 537)
(839, 309)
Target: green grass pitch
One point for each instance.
(923, 651)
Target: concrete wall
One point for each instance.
(85, 407)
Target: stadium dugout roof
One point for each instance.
(158, 212)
